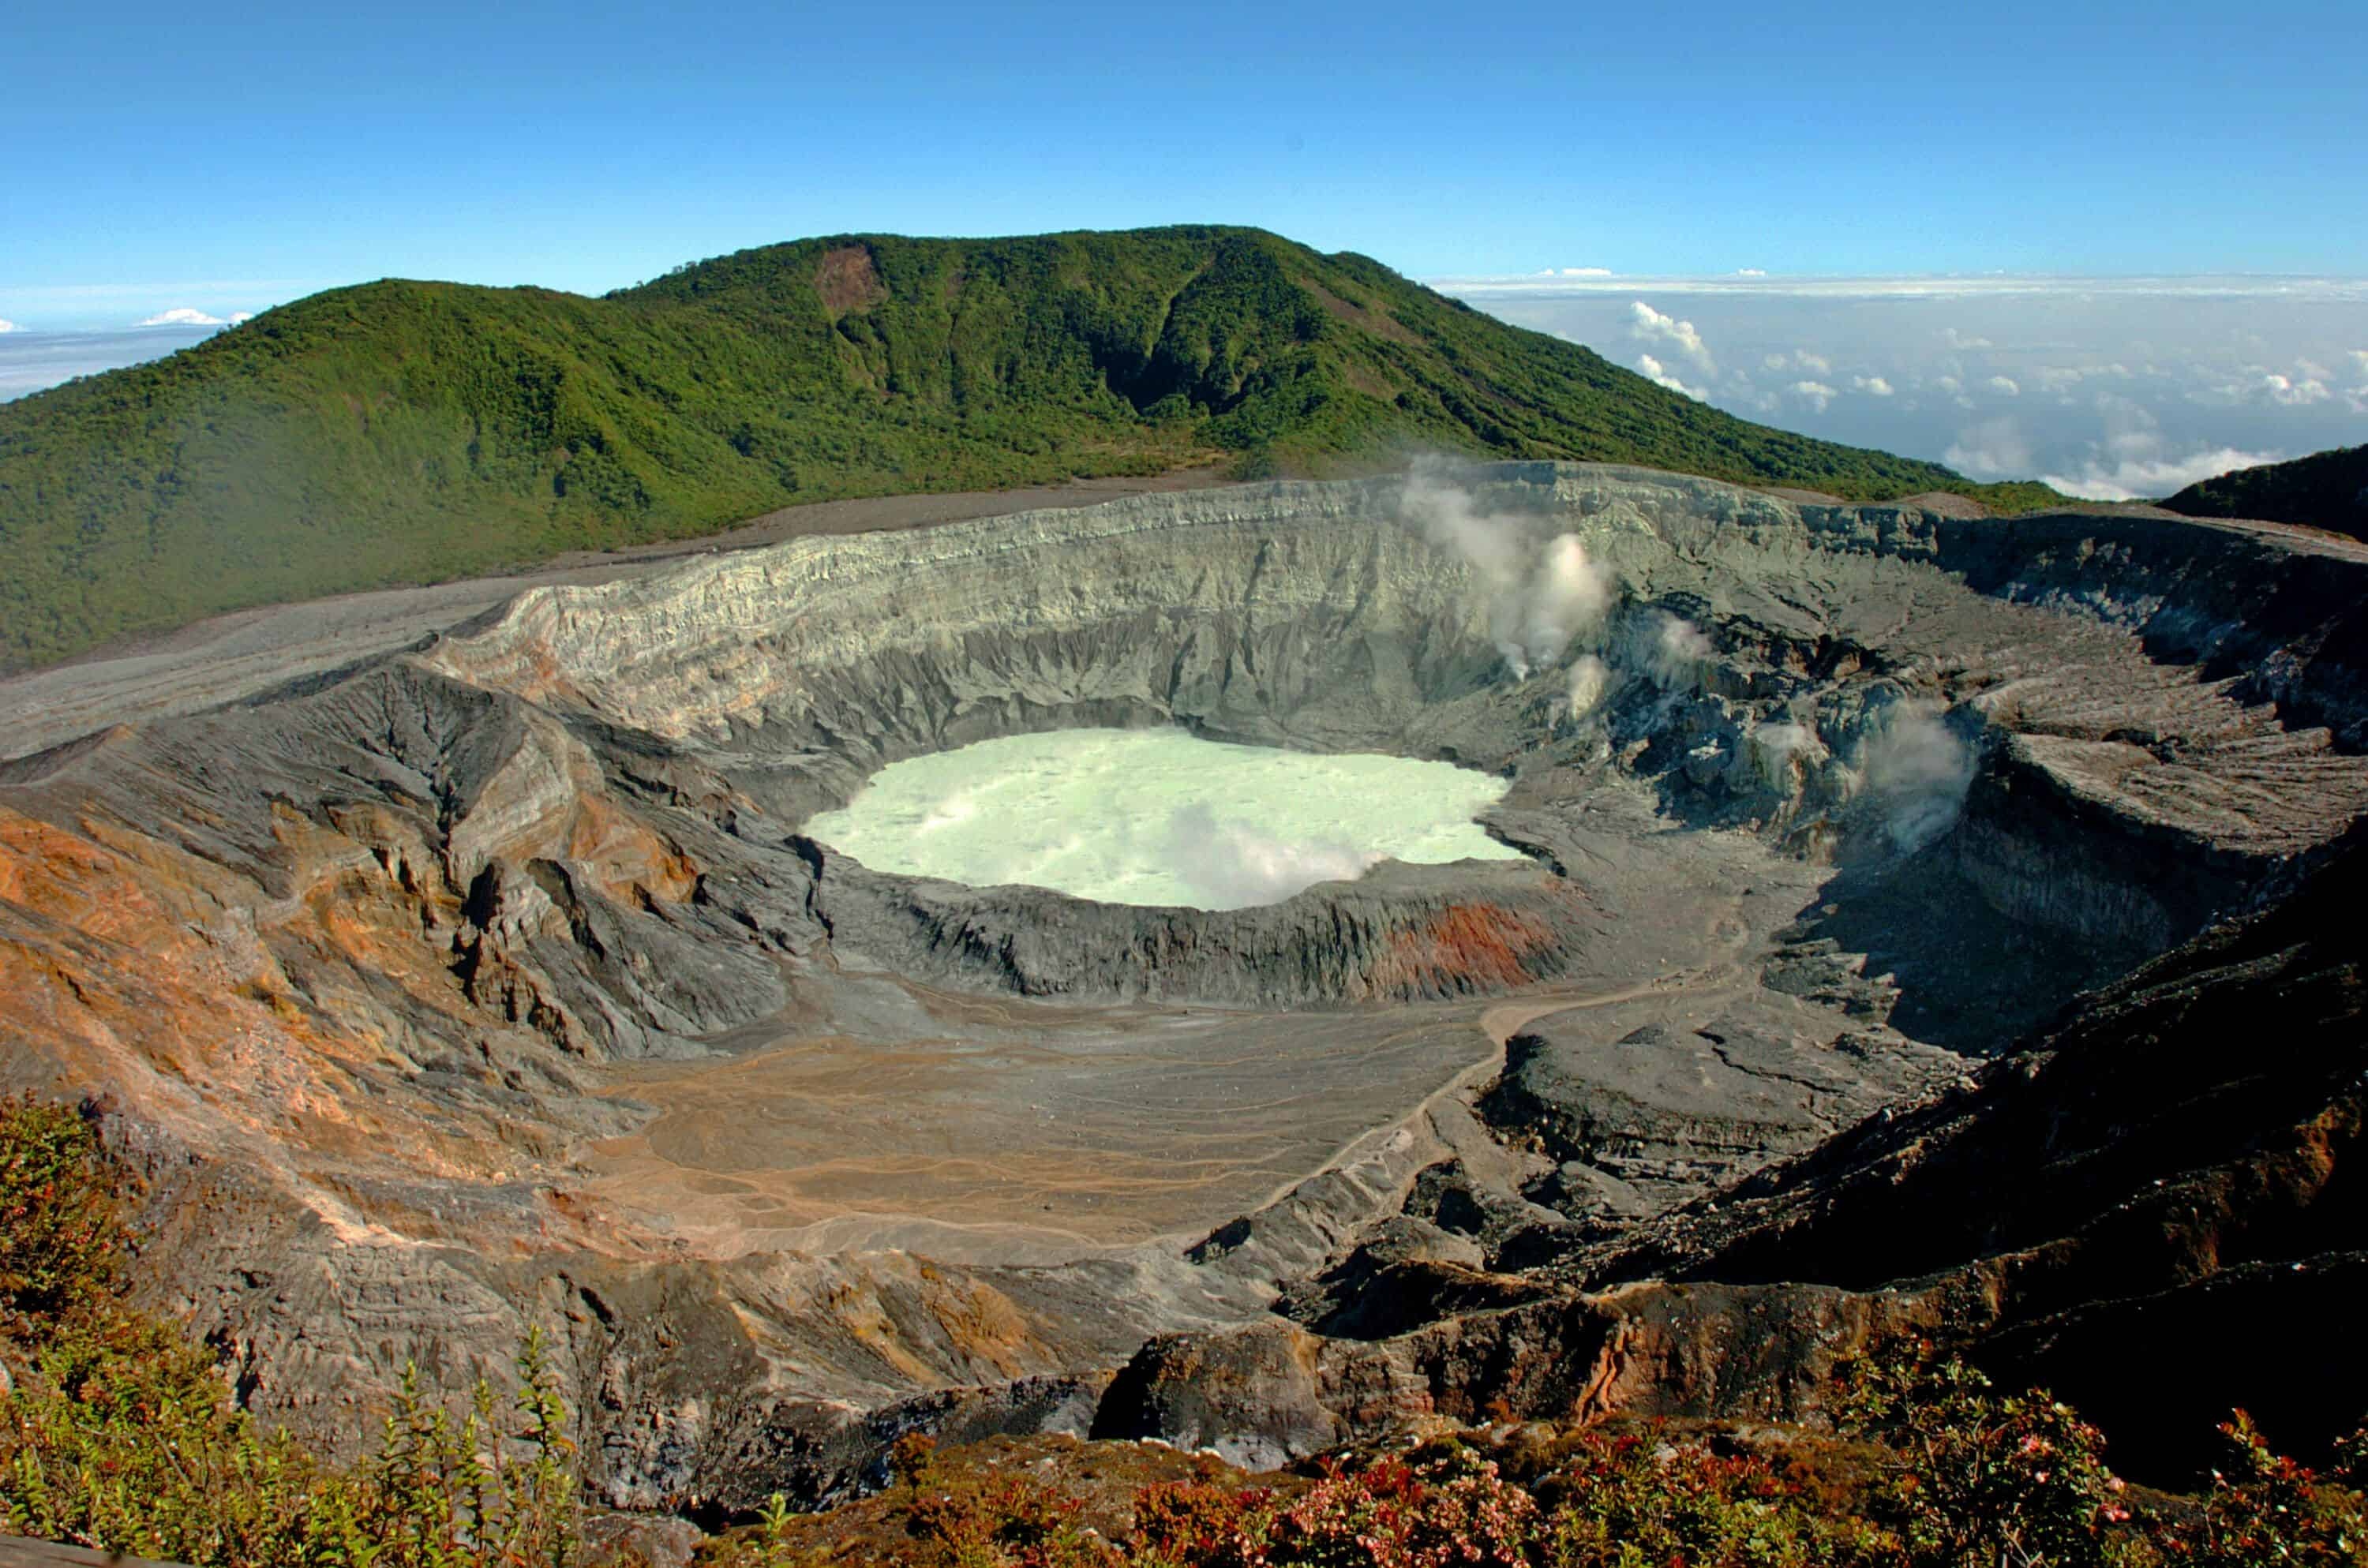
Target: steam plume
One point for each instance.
(1774, 747)
(1917, 771)
(1232, 865)
(1590, 679)
(1676, 654)
(1538, 601)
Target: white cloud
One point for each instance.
(181, 315)
(7, 326)
(2064, 377)
(2189, 361)
(2286, 292)
(1751, 272)
(238, 316)
(1993, 449)
(1799, 358)
(2133, 463)
(1659, 375)
(1816, 393)
(1873, 386)
(2288, 392)
(1585, 272)
(1649, 324)
(2131, 479)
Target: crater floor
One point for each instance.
(1008, 1132)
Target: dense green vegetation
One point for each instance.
(117, 1433)
(408, 432)
(2327, 490)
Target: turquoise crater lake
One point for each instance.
(1159, 817)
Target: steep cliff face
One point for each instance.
(490, 980)
(2141, 1187)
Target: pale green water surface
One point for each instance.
(1159, 817)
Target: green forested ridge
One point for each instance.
(407, 432)
(2327, 490)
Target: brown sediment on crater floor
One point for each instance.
(1045, 1137)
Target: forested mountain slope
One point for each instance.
(404, 431)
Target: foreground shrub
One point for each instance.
(60, 1240)
(1978, 1478)
(1012, 1520)
(1450, 1508)
(120, 1435)
(2265, 1511)
(131, 1445)
(1634, 1497)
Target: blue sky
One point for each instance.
(1726, 195)
(221, 160)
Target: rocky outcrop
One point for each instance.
(2174, 1157)
(1641, 1123)
(1404, 934)
(2118, 1212)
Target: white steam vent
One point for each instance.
(1159, 817)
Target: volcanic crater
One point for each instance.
(489, 978)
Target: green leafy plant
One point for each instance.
(118, 1433)
(60, 1241)
(2265, 1510)
(1976, 1477)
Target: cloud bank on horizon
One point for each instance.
(182, 315)
(33, 359)
(2113, 388)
